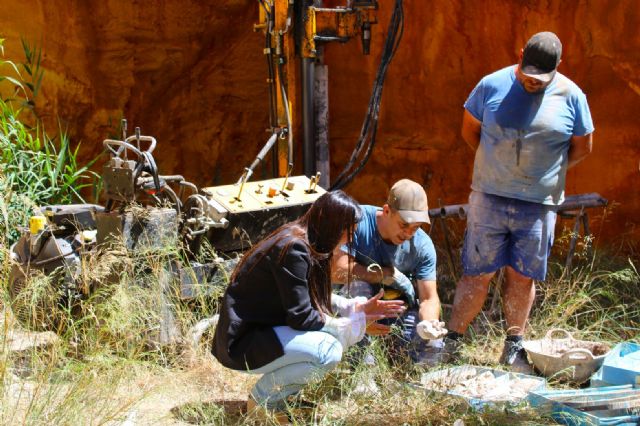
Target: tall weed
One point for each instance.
(35, 169)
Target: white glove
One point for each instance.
(431, 329)
(348, 330)
(344, 306)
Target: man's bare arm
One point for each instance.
(471, 128)
(580, 147)
(428, 299)
(345, 267)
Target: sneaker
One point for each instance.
(515, 357)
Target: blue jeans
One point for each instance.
(308, 356)
(505, 231)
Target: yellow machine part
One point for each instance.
(391, 293)
(37, 224)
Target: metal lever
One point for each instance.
(243, 179)
(286, 177)
(138, 137)
(124, 135)
(313, 183)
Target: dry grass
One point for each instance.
(109, 366)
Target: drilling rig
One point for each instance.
(144, 209)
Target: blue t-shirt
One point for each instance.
(415, 257)
(525, 137)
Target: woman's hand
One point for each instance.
(377, 329)
(376, 309)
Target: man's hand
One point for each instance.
(431, 329)
(399, 281)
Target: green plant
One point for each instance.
(35, 169)
(18, 88)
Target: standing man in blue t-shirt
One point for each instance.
(390, 251)
(527, 124)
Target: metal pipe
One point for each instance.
(248, 171)
(321, 113)
(308, 121)
(326, 39)
(138, 139)
(459, 210)
(576, 202)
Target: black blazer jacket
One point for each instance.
(270, 290)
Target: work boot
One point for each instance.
(514, 356)
(451, 350)
(430, 354)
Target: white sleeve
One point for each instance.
(348, 330)
(344, 306)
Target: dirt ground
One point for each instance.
(182, 397)
(196, 390)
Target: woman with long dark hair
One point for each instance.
(278, 315)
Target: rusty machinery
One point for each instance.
(296, 32)
(144, 209)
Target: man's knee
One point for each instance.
(476, 283)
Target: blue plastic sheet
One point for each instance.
(621, 366)
(605, 406)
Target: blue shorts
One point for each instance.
(505, 231)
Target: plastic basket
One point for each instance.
(565, 358)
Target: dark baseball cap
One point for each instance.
(409, 199)
(541, 56)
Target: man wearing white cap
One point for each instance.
(527, 124)
(389, 251)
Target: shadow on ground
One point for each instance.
(211, 412)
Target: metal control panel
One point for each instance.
(255, 209)
(266, 194)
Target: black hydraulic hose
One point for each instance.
(152, 168)
(366, 141)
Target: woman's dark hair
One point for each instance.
(320, 228)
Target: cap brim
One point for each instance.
(538, 74)
(411, 216)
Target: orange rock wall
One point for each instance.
(192, 74)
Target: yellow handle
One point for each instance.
(391, 293)
(37, 224)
